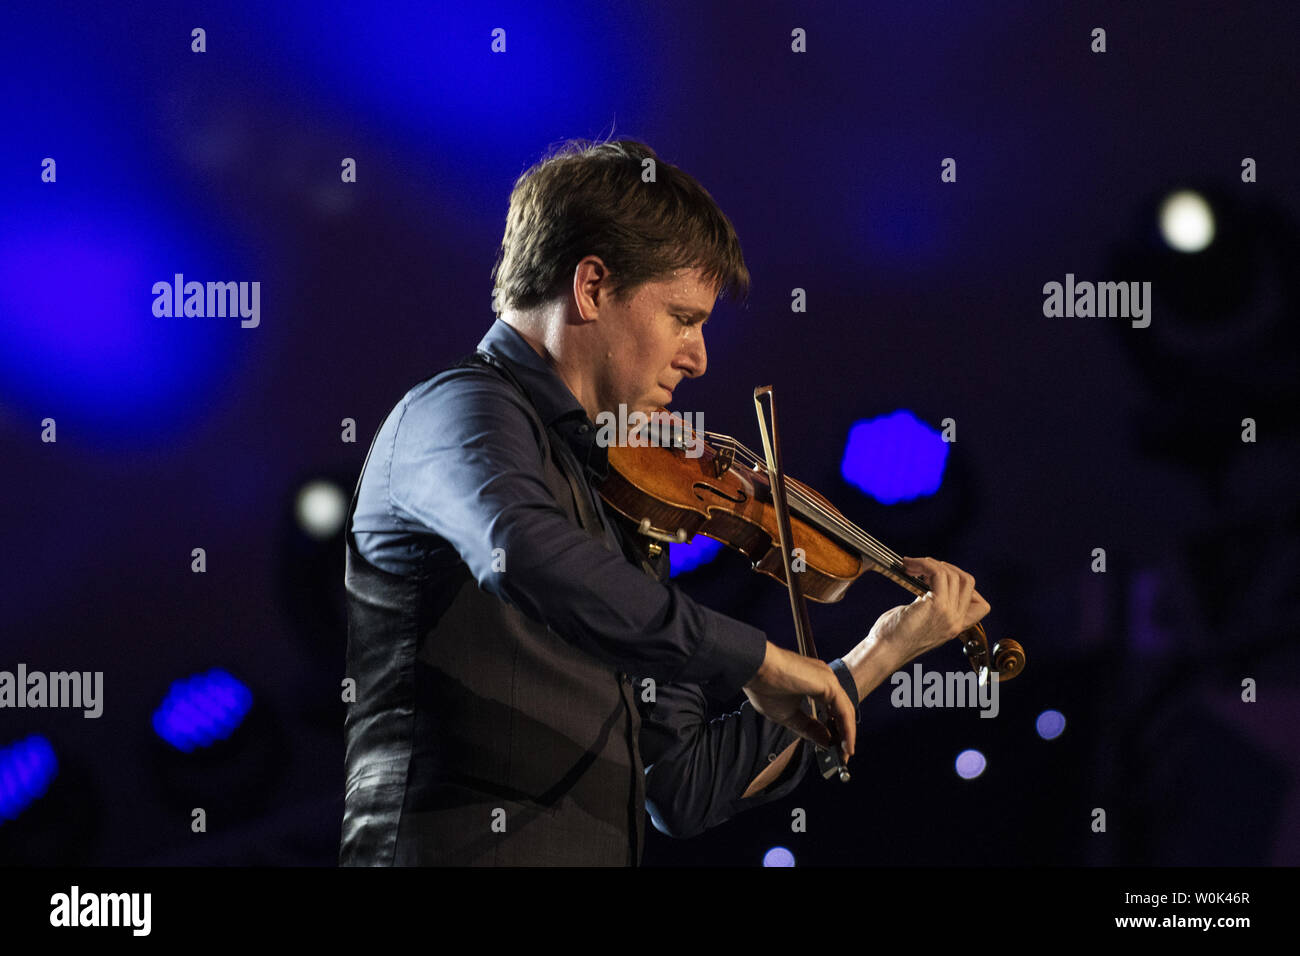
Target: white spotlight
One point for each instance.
(1186, 221)
(321, 508)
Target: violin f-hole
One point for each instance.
(740, 498)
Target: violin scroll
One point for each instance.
(1008, 658)
(1008, 655)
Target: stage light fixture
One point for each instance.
(1186, 221)
(778, 856)
(320, 509)
(26, 769)
(970, 764)
(1050, 724)
(201, 710)
(894, 458)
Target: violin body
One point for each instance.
(725, 493)
(681, 497)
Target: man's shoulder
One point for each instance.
(465, 378)
(463, 391)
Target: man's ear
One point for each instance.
(591, 285)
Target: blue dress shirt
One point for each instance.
(455, 476)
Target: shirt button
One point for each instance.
(583, 429)
(771, 757)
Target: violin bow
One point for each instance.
(830, 760)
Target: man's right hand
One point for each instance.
(778, 690)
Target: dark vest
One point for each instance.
(469, 713)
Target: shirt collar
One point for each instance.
(558, 406)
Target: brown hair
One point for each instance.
(588, 198)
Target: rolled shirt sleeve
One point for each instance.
(467, 466)
(697, 770)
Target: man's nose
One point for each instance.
(695, 358)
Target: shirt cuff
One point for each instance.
(849, 684)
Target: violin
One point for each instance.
(675, 482)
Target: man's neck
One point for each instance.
(529, 332)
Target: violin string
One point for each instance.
(872, 547)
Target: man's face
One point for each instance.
(655, 340)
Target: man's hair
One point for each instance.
(588, 198)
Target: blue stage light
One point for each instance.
(77, 331)
(970, 764)
(895, 458)
(79, 254)
(1050, 724)
(420, 101)
(26, 769)
(687, 557)
(201, 710)
(778, 856)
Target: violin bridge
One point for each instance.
(723, 460)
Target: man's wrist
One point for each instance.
(847, 682)
(870, 662)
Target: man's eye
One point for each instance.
(685, 319)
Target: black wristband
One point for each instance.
(849, 684)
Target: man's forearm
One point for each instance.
(870, 663)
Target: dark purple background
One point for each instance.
(1073, 433)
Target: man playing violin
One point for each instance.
(528, 681)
